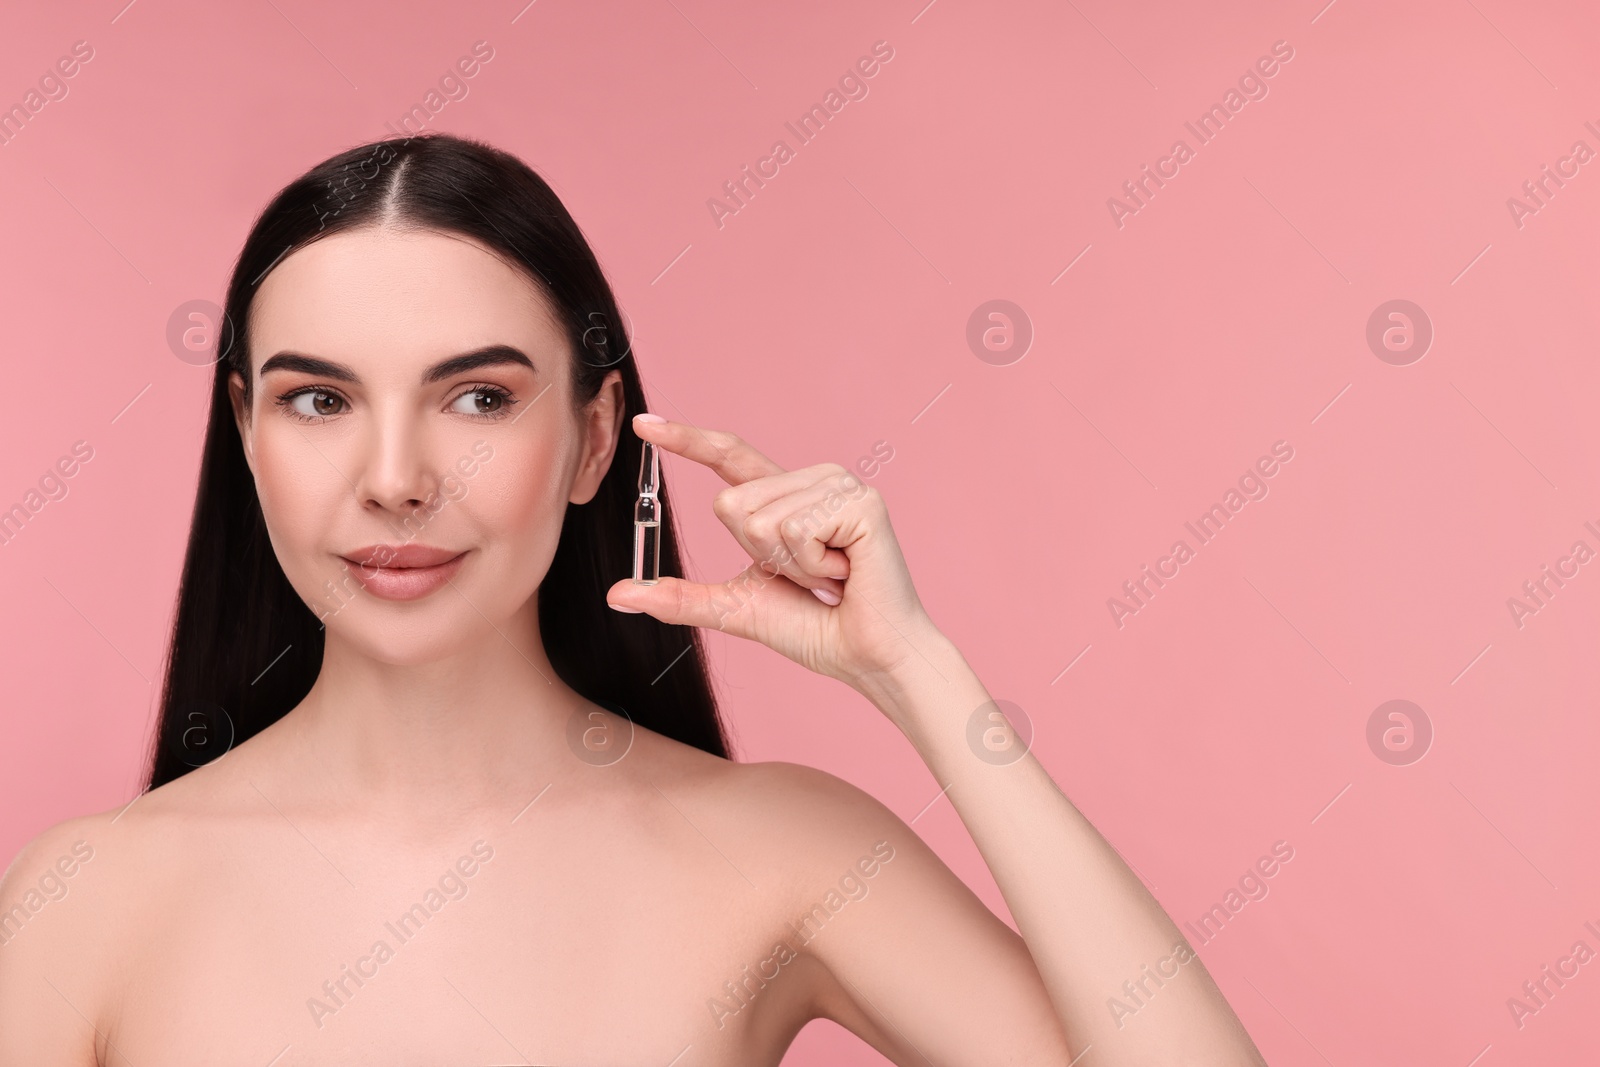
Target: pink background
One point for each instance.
(831, 313)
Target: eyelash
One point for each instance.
(285, 401)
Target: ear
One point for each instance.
(601, 426)
(241, 418)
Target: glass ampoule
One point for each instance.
(647, 520)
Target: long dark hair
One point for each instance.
(245, 648)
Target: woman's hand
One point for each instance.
(827, 586)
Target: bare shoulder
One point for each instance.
(804, 836)
(785, 783)
(815, 812)
(857, 892)
(45, 872)
(78, 901)
(773, 789)
(805, 815)
(62, 894)
(829, 842)
(54, 953)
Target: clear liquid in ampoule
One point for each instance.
(646, 552)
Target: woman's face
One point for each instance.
(392, 414)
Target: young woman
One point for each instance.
(436, 782)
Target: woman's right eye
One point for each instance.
(311, 404)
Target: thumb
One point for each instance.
(673, 601)
(715, 607)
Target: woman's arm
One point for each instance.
(829, 589)
(1123, 980)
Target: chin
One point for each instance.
(423, 637)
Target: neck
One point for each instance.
(475, 729)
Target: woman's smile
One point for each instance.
(403, 572)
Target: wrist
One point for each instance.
(932, 680)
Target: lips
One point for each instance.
(400, 557)
(403, 572)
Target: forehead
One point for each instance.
(376, 298)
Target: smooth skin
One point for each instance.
(639, 908)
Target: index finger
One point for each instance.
(734, 460)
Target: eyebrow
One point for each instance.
(488, 356)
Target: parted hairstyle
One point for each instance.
(245, 648)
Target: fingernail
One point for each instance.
(619, 607)
(648, 416)
(828, 597)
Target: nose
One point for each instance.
(395, 474)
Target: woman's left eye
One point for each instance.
(483, 400)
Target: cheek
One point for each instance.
(300, 494)
(520, 496)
